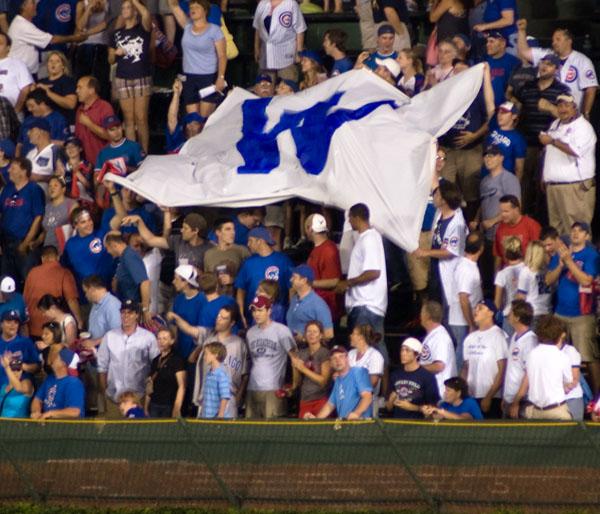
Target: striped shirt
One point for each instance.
(216, 388)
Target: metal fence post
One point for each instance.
(229, 494)
(434, 503)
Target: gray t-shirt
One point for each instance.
(269, 349)
(310, 390)
(185, 253)
(491, 190)
(234, 256)
(55, 216)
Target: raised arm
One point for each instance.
(178, 13)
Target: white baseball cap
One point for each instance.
(391, 64)
(188, 273)
(7, 285)
(318, 223)
(414, 344)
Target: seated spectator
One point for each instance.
(130, 405)
(15, 78)
(412, 386)
(411, 80)
(45, 156)
(388, 70)
(286, 87)
(264, 86)
(510, 141)
(57, 214)
(312, 371)
(456, 404)
(217, 383)
(485, 360)
(122, 153)
(311, 65)
(334, 44)
(532, 284)
(352, 394)
(60, 86)
(60, 396)
(506, 282)
(165, 389)
(54, 309)
(15, 396)
(49, 278)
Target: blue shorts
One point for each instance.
(193, 83)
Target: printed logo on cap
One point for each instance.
(572, 74)
(63, 13)
(285, 19)
(272, 273)
(96, 245)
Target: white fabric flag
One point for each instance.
(353, 138)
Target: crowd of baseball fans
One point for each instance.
(113, 306)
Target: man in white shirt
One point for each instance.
(14, 75)
(45, 156)
(437, 355)
(569, 166)
(485, 360)
(27, 39)
(576, 71)
(548, 376)
(522, 342)
(467, 293)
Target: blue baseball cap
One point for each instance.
(305, 271)
(111, 122)
(311, 54)
(495, 34)
(385, 29)
(39, 123)
(263, 77)
(261, 233)
(291, 83)
(489, 304)
(12, 315)
(192, 117)
(552, 59)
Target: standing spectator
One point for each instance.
(39, 105)
(45, 155)
(444, 69)
(334, 44)
(56, 17)
(54, 309)
(576, 70)
(312, 371)
(485, 360)
(226, 250)
(57, 214)
(61, 396)
(521, 343)
(412, 385)
(548, 374)
(412, 80)
(166, 384)
(364, 354)
(574, 396)
(507, 279)
(569, 166)
(532, 285)
(456, 404)
(270, 344)
(204, 56)
(352, 396)
(214, 301)
(124, 358)
(306, 305)
(14, 75)
(105, 314)
(217, 384)
(394, 14)
(279, 29)
(130, 49)
(324, 259)
(22, 209)
(437, 355)
(467, 288)
(264, 263)
(126, 154)
(575, 268)
(502, 64)
(450, 18)
(188, 305)
(501, 15)
(511, 142)
(27, 39)
(90, 114)
(15, 396)
(513, 223)
(49, 278)
(60, 86)
(178, 132)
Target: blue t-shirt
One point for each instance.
(59, 130)
(146, 216)
(567, 297)
(472, 120)
(301, 311)
(341, 66)
(22, 347)
(429, 215)
(15, 302)
(56, 17)
(241, 232)
(135, 413)
(190, 309)
(61, 393)
(4, 173)
(468, 406)
(511, 142)
(211, 309)
(493, 12)
(199, 52)
(255, 268)
(130, 151)
(501, 70)
(345, 395)
(130, 273)
(20, 208)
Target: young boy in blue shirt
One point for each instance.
(217, 383)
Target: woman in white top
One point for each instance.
(54, 309)
(507, 279)
(363, 354)
(532, 285)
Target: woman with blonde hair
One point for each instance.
(412, 79)
(312, 69)
(532, 285)
(507, 279)
(60, 86)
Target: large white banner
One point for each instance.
(353, 138)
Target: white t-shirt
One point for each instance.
(581, 138)
(152, 261)
(508, 279)
(577, 72)
(575, 358)
(14, 76)
(371, 360)
(438, 347)
(467, 279)
(548, 370)
(44, 161)
(518, 351)
(27, 39)
(368, 254)
(483, 350)
(537, 293)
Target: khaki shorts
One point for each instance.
(568, 203)
(560, 413)
(581, 330)
(463, 167)
(418, 268)
(265, 404)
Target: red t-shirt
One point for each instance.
(92, 144)
(325, 262)
(527, 229)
